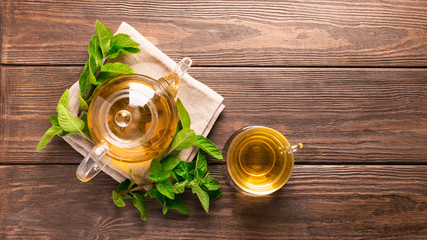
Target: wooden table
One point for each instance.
(346, 78)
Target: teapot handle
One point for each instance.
(94, 162)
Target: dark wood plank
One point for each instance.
(341, 115)
(254, 33)
(339, 202)
(363, 116)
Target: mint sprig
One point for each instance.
(102, 45)
(192, 175)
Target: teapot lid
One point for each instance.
(129, 112)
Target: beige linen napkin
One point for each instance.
(203, 104)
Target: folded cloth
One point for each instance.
(202, 103)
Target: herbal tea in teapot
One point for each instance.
(126, 118)
(132, 118)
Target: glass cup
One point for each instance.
(259, 160)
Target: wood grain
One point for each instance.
(338, 202)
(227, 33)
(366, 116)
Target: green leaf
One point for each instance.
(54, 120)
(95, 51)
(201, 165)
(183, 140)
(166, 188)
(103, 76)
(140, 203)
(92, 65)
(52, 131)
(214, 195)
(116, 50)
(207, 146)
(104, 36)
(156, 172)
(155, 167)
(177, 204)
(191, 167)
(210, 183)
(118, 200)
(83, 103)
(85, 129)
(178, 127)
(170, 162)
(123, 40)
(116, 68)
(84, 80)
(202, 195)
(183, 114)
(63, 101)
(154, 193)
(67, 122)
(179, 187)
(181, 169)
(123, 186)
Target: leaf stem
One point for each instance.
(133, 189)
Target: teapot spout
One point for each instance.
(173, 78)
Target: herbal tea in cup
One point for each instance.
(259, 160)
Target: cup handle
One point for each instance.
(94, 162)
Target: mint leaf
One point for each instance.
(177, 204)
(83, 103)
(104, 36)
(155, 167)
(116, 50)
(214, 195)
(95, 50)
(102, 76)
(156, 172)
(68, 122)
(202, 195)
(160, 177)
(123, 40)
(116, 68)
(154, 193)
(85, 129)
(54, 120)
(52, 131)
(201, 166)
(84, 80)
(178, 127)
(183, 114)
(191, 167)
(210, 183)
(166, 188)
(179, 187)
(140, 203)
(118, 200)
(63, 101)
(123, 186)
(181, 169)
(170, 162)
(207, 146)
(183, 140)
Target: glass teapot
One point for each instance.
(131, 118)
